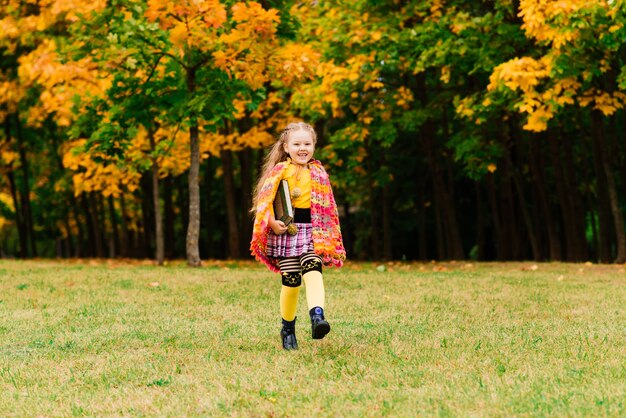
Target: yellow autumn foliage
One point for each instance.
(188, 22)
(465, 107)
(16, 28)
(538, 119)
(8, 156)
(172, 153)
(247, 49)
(11, 93)
(605, 102)
(294, 63)
(404, 97)
(530, 76)
(255, 137)
(520, 73)
(7, 201)
(91, 176)
(60, 82)
(549, 20)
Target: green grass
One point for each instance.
(102, 338)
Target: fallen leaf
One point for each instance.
(153, 284)
(532, 268)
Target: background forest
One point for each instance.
(487, 130)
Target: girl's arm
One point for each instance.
(277, 226)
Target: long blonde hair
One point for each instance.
(277, 154)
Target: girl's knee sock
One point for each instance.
(291, 277)
(314, 283)
(313, 280)
(289, 302)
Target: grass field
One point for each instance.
(455, 339)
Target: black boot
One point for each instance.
(319, 326)
(288, 334)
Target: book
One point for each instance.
(283, 210)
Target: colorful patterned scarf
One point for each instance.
(327, 241)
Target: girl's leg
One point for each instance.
(291, 281)
(315, 295)
(313, 279)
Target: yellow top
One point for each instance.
(299, 177)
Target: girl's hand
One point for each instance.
(278, 227)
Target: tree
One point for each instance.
(583, 53)
(212, 56)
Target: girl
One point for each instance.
(317, 240)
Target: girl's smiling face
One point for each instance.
(300, 146)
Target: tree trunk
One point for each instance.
(511, 240)
(450, 225)
(147, 219)
(580, 251)
(455, 247)
(91, 237)
(445, 207)
(518, 183)
(182, 200)
(158, 219)
(245, 158)
(231, 206)
(439, 228)
(69, 250)
(21, 228)
(386, 214)
(443, 199)
(125, 244)
(604, 205)
(27, 215)
(621, 152)
(480, 223)
(537, 169)
(421, 222)
(387, 242)
(210, 216)
(569, 226)
(101, 217)
(68, 241)
(115, 242)
(618, 219)
(95, 223)
(169, 218)
(594, 227)
(373, 204)
(499, 239)
(346, 227)
(193, 229)
(82, 247)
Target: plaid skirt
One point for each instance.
(286, 245)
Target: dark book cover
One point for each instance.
(283, 210)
